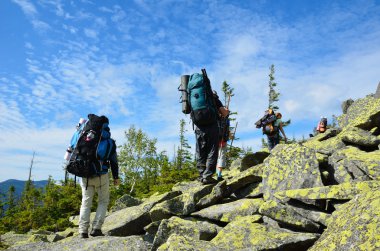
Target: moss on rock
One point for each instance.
(355, 226)
(245, 234)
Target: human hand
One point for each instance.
(116, 182)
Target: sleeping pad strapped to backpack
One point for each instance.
(203, 108)
(268, 123)
(92, 146)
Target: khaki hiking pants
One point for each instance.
(99, 184)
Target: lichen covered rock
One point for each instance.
(363, 113)
(350, 163)
(245, 234)
(290, 167)
(288, 216)
(355, 226)
(246, 177)
(229, 211)
(181, 205)
(345, 191)
(130, 243)
(178, 242)
(197, 230)
(132, 220)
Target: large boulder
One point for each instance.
(125, 201)
(350, 163)
(363, 113)
(105, 243)
(251, 175)
(288, 216)
(326, 143)
(377, 93)
(345, 191)
(245, 234)
(346, 104)
(252, 190)
(198, 230)
(360, 137)
(290, 167)
(132, 220)
(229, 211)
(181, 205)
(178, 242)
(355, 226)
(253, 159)
(218, 192)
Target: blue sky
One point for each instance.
(60, 60)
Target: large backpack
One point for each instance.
(267, 123)
(322, 125)
(201, 100)
(92, 145)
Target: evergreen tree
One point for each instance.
(184, 156)
(273, 94)
(233, 152)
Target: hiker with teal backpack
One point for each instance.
(199, 101)
(93, 152)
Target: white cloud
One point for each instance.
(91, 33)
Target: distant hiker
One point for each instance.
(93, 152)
(322, 125)
(204, 109)
(272, 125)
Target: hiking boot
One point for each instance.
(84, 235)
(220, 179)
(209, 181)
(96, 232)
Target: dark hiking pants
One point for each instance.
(206, 138)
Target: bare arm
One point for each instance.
(223, 111)
(283, 132)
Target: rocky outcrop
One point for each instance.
(322, 194)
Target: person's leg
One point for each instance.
(270, 143)
(221, 163)
(85, 208)
(212, 151)
(102, 189)
(201, 151)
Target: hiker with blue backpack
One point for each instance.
(93, 152)
(204, 108)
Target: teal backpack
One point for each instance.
(201, 99)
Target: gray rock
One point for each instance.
(377, 94)
(124, 202)
(132, 220)
(178, 242)
(350, 163)
(131, 243)
(355, 224)
(346, 104)
(245, 234)
(193, 229)
(227, 212)
(290, 167)
(217, 194)
(251, 175)
(253, 159)
(288, 216)
(181, 205)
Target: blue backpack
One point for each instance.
(201, 100)
(92, 146)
